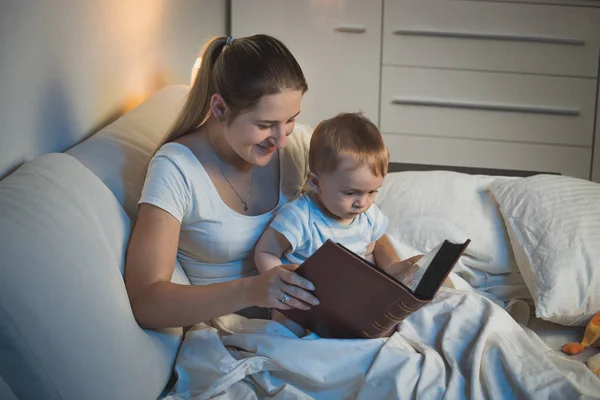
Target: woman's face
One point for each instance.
(255, 134)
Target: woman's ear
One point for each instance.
(218, 107)
(313, 182)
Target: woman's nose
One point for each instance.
(279, 137)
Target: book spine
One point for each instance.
(386, 323)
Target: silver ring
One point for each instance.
(285, 298)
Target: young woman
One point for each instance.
(233, 157)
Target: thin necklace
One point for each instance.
(244, 202)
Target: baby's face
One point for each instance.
(350, 190)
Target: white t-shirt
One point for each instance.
(306, 227)
(216, 243)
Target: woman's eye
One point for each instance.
(264, 127)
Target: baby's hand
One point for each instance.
(404, 270)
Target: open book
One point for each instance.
(358, 300)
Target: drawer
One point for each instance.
(566, 160)
(488, 105)
(492, 36)
(337, 44)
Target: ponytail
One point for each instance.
(196, 109)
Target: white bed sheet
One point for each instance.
(499, 288)
(462, 345)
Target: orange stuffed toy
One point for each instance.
(591, 337)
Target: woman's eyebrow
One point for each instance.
(266, 121)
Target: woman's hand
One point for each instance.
(282, 289)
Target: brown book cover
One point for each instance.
(358, 300)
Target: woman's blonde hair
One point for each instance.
(347, 134)
(241, 70)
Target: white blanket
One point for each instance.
(460, 346)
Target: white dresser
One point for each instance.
(503, 85)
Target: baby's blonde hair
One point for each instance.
(347, 134)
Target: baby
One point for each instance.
(348, 161)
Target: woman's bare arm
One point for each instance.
(156, 302)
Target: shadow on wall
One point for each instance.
(13, 169)
(57, 125)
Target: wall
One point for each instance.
(68, 67)
(596, 154)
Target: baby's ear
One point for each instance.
(313, 182)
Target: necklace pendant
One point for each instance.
(245, 207)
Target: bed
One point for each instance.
(494, 331)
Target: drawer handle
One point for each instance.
(491, 36)
(350, 29)
(488, 106)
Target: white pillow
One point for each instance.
(424, 208)
(554, 227)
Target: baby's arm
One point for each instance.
(387, 259)
(384, 253)
(269, 249)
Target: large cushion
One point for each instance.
(5, 392)
(554, 228)
(119, 153)
(66, 326)
(425, 208)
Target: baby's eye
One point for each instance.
(349, 193)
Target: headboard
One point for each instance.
(399, 167)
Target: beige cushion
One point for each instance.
(5, 392)
(119, 154)
(66, 326)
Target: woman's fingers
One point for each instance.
(297, 289)
(290, 267)
(296, 280)
(300, 294)
(292, 302)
